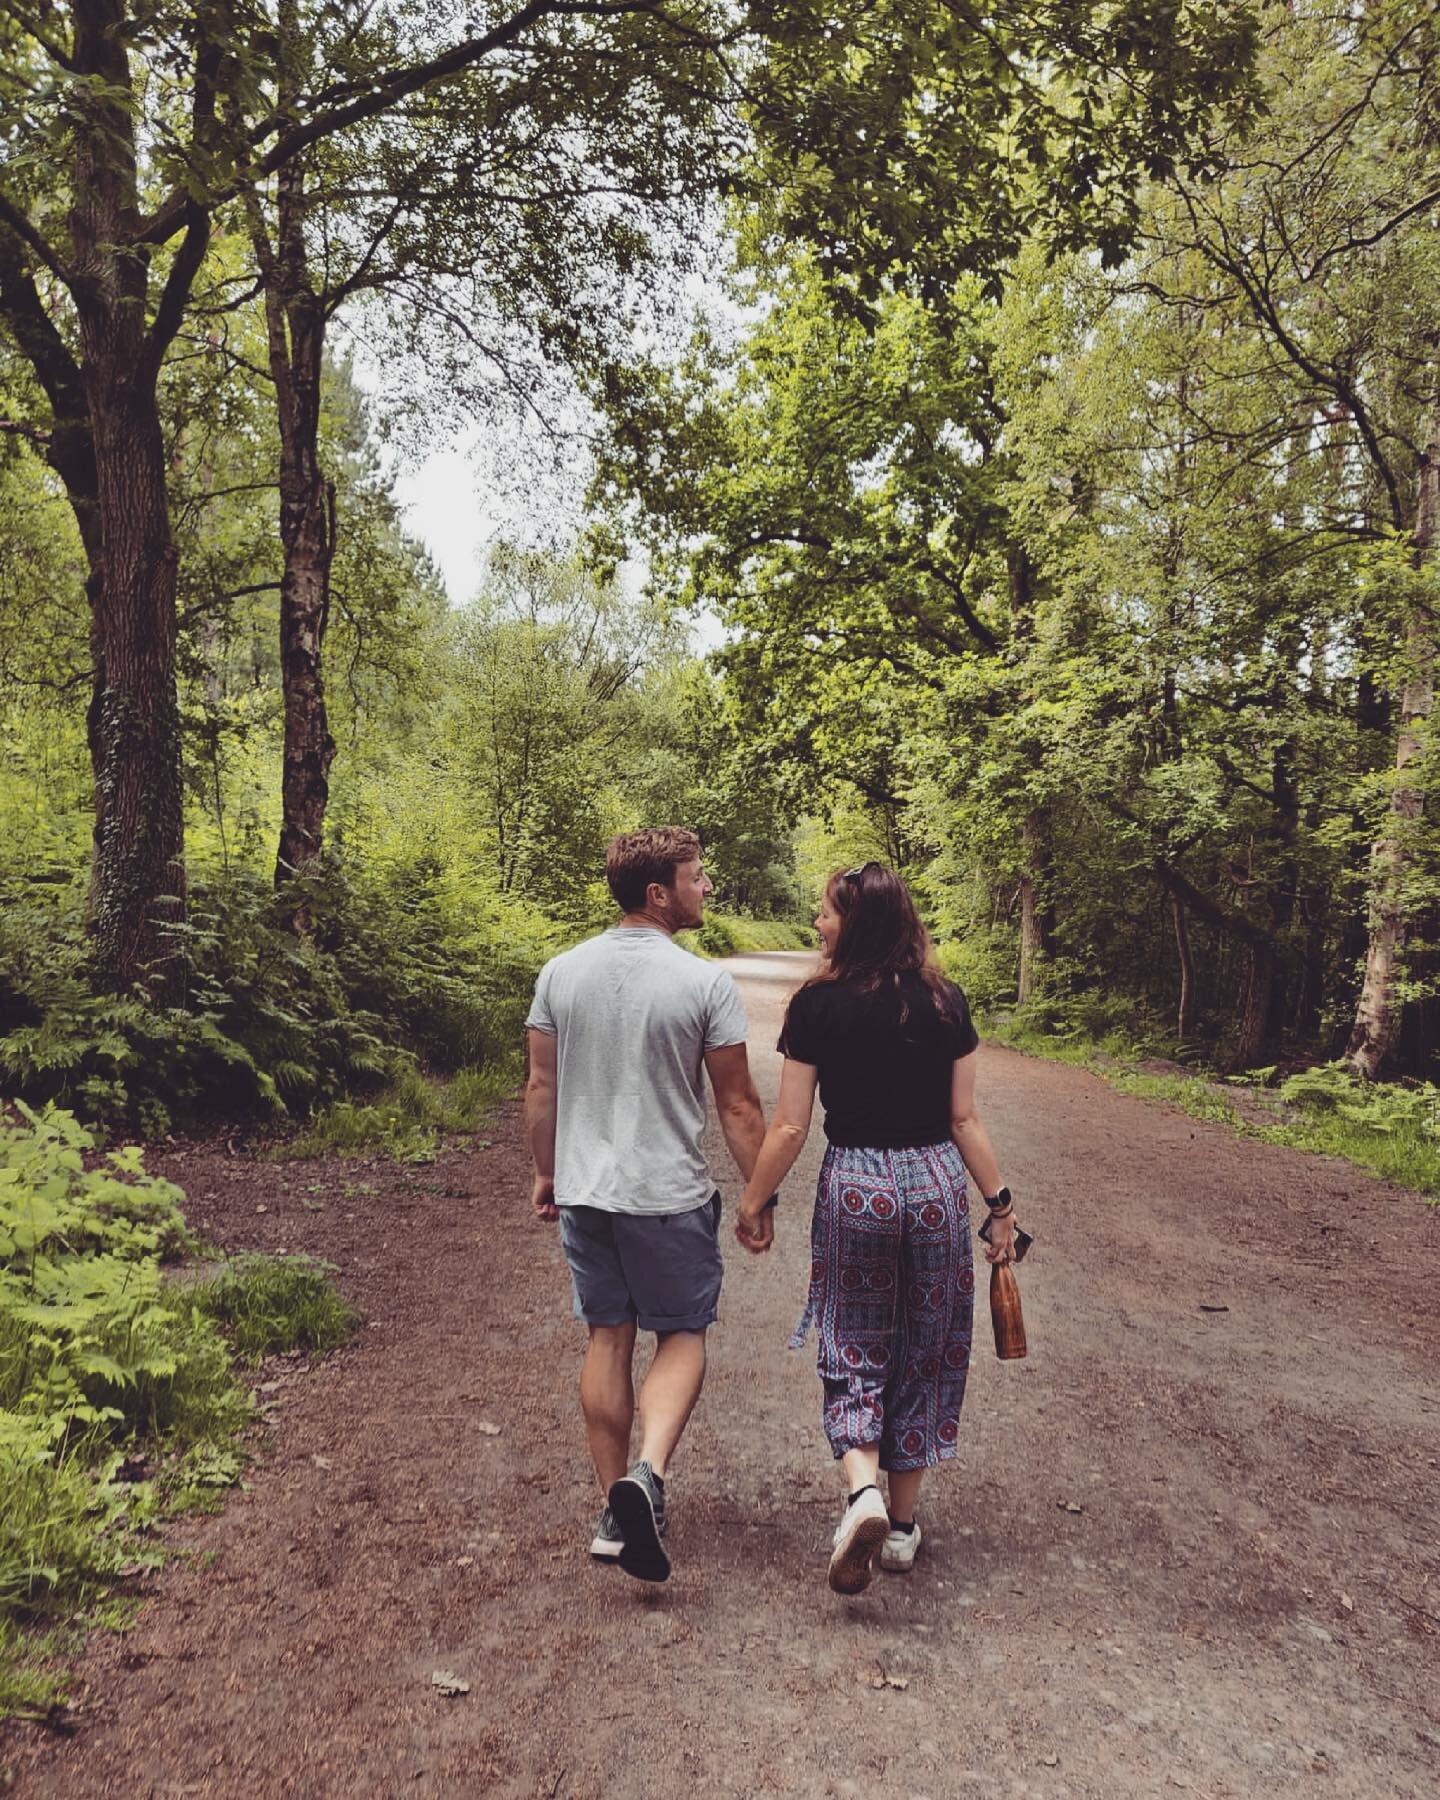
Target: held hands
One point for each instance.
(755, 1225)
(542, 1197)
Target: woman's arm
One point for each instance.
(783, 1143)
(973, 1142)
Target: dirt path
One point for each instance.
(1183, 1549)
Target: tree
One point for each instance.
(120, 244)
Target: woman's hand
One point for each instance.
(1001, 1247)
(755, 1225)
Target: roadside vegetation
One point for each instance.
(120, 1405)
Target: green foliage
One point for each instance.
(271, 1304)
(391, 970)
(118, 1400)
(1187, 1092)
(728, 934)
(1390, 1128)
(982, 965)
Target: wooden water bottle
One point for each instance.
(1005, 1314)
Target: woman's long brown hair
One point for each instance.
(881, 935)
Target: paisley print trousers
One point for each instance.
(892, 1289)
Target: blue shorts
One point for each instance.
(661, 1270)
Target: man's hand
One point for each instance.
(756, 1229)
(542, 1197)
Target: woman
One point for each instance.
(891, 1045)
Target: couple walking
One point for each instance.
(622, 1031)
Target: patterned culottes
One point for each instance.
(892, 1289)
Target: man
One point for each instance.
(619, 1032)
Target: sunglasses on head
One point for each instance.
(855, 873)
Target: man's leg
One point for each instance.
(607, 1398)
(668, 1395)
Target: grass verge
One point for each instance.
(406, 1119)
(1388, 1129)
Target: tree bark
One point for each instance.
(138, 873)
(1377, 1013)
(295, 319)
(1255, 1008)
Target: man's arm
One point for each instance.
(540, 1093)
(789, 1128)
(737, 1103)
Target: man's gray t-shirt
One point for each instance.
(633, 1015)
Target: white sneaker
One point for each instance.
(898, 1551)
(858, 1537)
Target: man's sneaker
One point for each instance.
(607, 1542)
(898, 1551)
(862, 1530)
(638, 1504)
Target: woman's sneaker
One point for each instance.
(898, 1551)
(637, 1501)
(860, 1534)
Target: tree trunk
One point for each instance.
(1255, 1009)
(1183, 1019)
(295, 320)
(138, 873)
(1377, 1014)
(307, 532)
(138, 877)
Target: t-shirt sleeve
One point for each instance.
(725, 1021)
(963, 1036)
(540, 1017)
(800, 1035)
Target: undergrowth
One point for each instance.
(392, 971)
(119, 1402)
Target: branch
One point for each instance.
(170, 313)
(18, 428)
(32, 238)
(382, 92)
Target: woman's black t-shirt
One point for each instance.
(884, 1081)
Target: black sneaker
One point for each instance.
(637, 1504)
(609, 1540)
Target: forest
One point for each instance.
(1002, 440)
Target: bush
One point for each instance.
(118, 1398)
(983, 965)
(387, 974)
(90, 1344)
